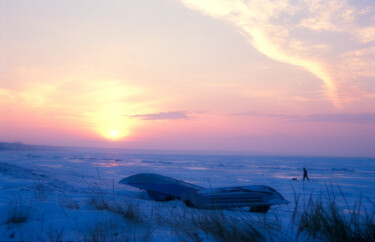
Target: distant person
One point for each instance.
(305, 174)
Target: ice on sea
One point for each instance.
(54, 187)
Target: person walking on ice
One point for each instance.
(305, 174)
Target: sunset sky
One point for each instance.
(282, 76)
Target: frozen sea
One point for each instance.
(74, 175)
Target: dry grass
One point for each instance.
(178, 220)
(227, 228)
(126, 209)
(67, 202)
(110, 230)
(316, 218)
(323, 219)
(100, 233)
(42, 190)
(55, 235)
(99, 202)
(189, 224)
(17, 212)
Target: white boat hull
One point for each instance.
(162, 188)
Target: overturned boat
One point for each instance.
(257, 198)
(162, 188)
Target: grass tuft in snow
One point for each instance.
(104, 201)
(191, 222)
(226, 228)
(54, 234)
(179, 221)
(322, 219)
(99, 233)
(113, 230)
(128, 210)
(99, 203)
(17, 212)
(67, 202)
(41, 189)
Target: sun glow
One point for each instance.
(111, 124)
(108, 119)
(113, 133)
(114, 130)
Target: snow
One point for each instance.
(56, 190)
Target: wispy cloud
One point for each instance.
(319, 36)
(353, 118)
(161, 115)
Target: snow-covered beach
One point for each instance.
(60, 193)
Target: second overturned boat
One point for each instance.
(257, 198)
(163, 188)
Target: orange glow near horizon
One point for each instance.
(115, 135)
(112, 126)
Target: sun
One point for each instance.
(113, 133)
(111, 124)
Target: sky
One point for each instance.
(286, 76)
